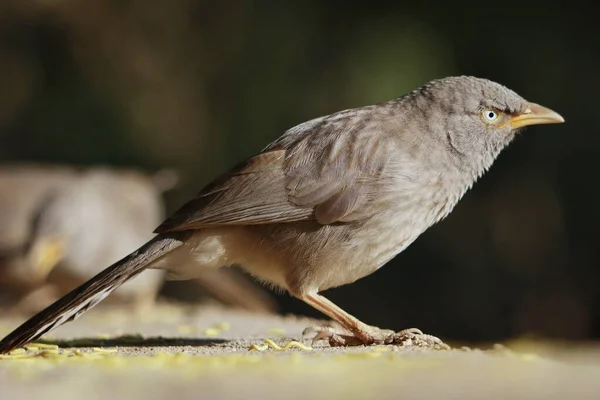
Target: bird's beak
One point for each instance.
(46, 256)
(535, 115)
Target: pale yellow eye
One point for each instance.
(490, 116)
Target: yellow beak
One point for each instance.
(536, 115)
(48, 254)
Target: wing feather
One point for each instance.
(328, 170)
(252, 193)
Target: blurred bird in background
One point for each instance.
(59, 226)
(21, 191)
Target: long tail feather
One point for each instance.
(90, 293)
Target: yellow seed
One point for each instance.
(299, 345)
(44, 345)
(212, 331)
(14, 356)
(17, 351)
(275, 346)
(258, 347)
(103, 336)
(102, 350)
(272, 344)
(50, 354)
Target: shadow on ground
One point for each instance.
(135, 341)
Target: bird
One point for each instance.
(330, 201)
(22, 189)
(95, 219)
(59, 225)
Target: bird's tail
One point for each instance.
(90, 293)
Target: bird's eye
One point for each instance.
(490, 116)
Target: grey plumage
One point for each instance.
(334, 198)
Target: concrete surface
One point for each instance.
(203, 353)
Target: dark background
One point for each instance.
(198, 86)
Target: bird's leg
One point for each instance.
(359, 333)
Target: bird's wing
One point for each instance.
(323, 172)
(251, 193)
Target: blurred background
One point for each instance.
(196, 86)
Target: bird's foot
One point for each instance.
(414, 337)
(370, 335)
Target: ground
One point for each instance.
(208, 353)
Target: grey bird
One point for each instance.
(97, 218)
(60, 225)
(329, 202)
(22, 190)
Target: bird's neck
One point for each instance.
(468, 171)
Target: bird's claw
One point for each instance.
(412, 337)
(327, 333)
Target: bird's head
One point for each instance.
(476, 118)
(50, 232)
